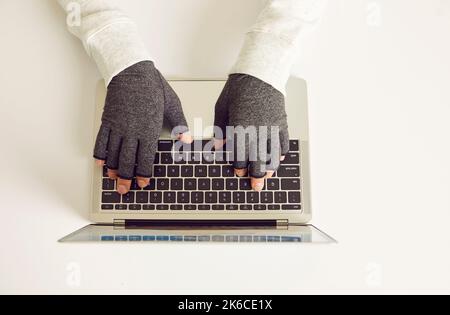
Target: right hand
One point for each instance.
(137, 101)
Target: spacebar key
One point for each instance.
(291, 207)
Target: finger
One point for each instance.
(146, 153)
(100, 163)
(185, 138)
(101, 144)
(143, 182)
(241, 172)
(114, 145)
(240, 152)
(270, 174)
(284, 141)
(258, 184)
(113, 174)
(123, 186)
(219, 144)
(127, 161)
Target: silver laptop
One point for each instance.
(197, 197)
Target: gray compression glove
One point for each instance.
(245, 102)
(137, 101)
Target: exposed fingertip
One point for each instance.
(122, 189)
(143, 182)
(283, 158)
(186, 138)
(219, 143)
(241, 172)
(270, 174)
(258, 184)
(100, 163)
(112, 174)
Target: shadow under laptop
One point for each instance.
(170, 233)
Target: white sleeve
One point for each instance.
(271, 46)
(109, 36)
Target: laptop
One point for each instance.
(194, 195)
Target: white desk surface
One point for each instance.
(379, 127)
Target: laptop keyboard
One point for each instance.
(205, 181)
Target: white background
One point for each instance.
(378, 74)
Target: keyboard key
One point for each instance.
(135, 207)
(214, 171)
(180, 158)
(294, 197)
(290, 184)
(194, 158)
(152, 185)
(260, 207)
(190, 207)
(208, 158)
(239, 197)
(142, 197)
(292, 159)
(187, 171)
(224, 197)
(274, 207)
(294, 146)
(110, 197)
(197, 197)
(218, 184)
(280, 197)
(121, 207)
(273, 184)
(107, 207)
(246, 207)
(176, 184)
(148, 207)
(232, 184)
(204, 184)
(232, 207)
(157, 159)
(267, 197)
(109, 184)
(156, 197)
(227, 171)
(201, 171)
(292, 207)
(252, 197)
(190, 184)
(159, 171)
(288, 171)
(218, 207)
(221, 158)
(183, 197)
(204, 207)
(245, 184)
(163, 183)
(162, 207)
(170, 197)
(166, 158)
(176, 207)
(165, 145)
(173, 171)
(134, 185)
(211, 197)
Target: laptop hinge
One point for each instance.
(133, 223)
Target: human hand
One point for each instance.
(137, 101)
(249, 102)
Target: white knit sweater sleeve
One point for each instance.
(109, 36)
(271, 46)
